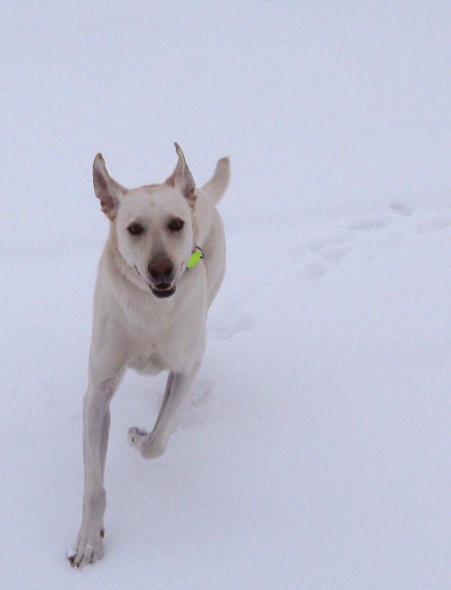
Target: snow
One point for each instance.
(314, 451)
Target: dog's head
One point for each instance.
(153, 225)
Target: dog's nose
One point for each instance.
(161, 269)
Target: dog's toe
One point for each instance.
(88, 548)
(136, 436)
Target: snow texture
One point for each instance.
(314, 452)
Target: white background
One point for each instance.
(314, 451)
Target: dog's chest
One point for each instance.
(168, 352)
(167, 339)
(150, 364)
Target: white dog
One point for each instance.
(160, 270)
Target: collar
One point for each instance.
(197, 255)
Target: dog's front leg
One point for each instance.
(96, 423)
(153, 444)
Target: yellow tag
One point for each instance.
(195, 257)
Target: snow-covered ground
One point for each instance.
(314, 452)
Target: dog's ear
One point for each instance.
(107, 190)
(182, 178)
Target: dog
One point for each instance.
(161, 268)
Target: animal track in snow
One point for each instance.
(314, 269)
(433, 224)
(334, 254)
(328, 252)
(229, 325)
(370, 224)
(325, 252)
(402, 208)
(318, 244)
(194, 411)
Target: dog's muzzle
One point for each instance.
(161, 273)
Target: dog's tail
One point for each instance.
(219, 182)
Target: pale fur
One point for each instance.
(133, 328)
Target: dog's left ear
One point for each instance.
(182, 178)
(107, 190)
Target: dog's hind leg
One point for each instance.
(153, 444)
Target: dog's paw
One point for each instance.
(89, 547)
(147, 443)
(137, 436)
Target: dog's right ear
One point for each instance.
(107, 190)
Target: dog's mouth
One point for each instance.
(163, 290)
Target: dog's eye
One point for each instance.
(176, 224)
(135, 229)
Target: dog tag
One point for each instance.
(195, 257)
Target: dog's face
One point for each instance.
(155, 235)
(153, 224)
